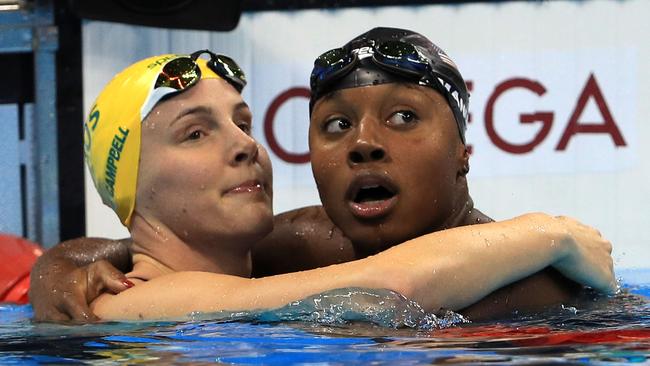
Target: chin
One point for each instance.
(255, 224)
(372, 239)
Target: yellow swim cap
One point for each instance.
(112, 130)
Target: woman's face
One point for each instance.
(388, 162)
(201, 173)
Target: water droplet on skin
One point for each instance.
(202, 186)
(185, 233)
(487, 242)
(553, 242)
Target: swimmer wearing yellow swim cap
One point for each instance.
(112, 130)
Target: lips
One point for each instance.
(249, 186)
(371, 196)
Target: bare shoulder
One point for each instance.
(301, 239)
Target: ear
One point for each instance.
(463, 161)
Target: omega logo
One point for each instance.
(544, 119)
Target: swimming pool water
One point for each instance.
(614, 331)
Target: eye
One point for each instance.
(337, 125)
(401, 118)
(245, 126)
(195, 135)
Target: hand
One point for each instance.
(588, 258)
(62, 291)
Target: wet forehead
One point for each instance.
(208, 96)
(400, 89)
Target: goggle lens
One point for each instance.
(396, 49)
(330, 63)
(401, 55)
(179, 74)
(228, 68)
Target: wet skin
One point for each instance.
(389, 164)
(204, 185)
(309, 237)
(199, 165)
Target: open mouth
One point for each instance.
(371, 196)
(372, 193)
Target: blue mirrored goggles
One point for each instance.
(395, 56)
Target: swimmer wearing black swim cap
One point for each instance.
(389, 55)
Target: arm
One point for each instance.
(306, 238)
(72, 274)
(448, 269)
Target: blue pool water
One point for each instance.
(611, 331)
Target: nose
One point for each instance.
(245, 149)
(367, 148)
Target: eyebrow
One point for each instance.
(193, 110)
(416, 87)
(206, 110)
(240, 106)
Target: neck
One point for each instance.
(464, 213)
(157, 250)
(460, 213)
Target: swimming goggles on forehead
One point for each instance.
(183, 72)
(395, 56)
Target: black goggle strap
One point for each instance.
(225, 67)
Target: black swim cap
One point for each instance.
(398, 55)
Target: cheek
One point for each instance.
(426, 166)
(173, 176)
(326, 164)
(265, 160)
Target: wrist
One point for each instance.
(554, 235)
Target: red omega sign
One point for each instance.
(544, 119)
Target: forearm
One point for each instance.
(447, 269)
(70, 275)
(455, 268)
(83, 251)
(176, 295)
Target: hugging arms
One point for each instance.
(390, 164)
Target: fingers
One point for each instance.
(103, 276)
(52, 315)
(114, 281)
(75, 305)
